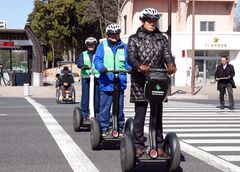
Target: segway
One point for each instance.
(113, 136)
(156, 90)
(78, 121)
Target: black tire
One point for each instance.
(77, 119)
(172, 148)
(74, 96)
(128, 125)
(57, 96)
(96, 134)
(127, 152)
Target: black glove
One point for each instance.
(104, 70)
(85, 67)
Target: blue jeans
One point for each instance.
(105, 107)
(84, 105)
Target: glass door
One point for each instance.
(211, 65)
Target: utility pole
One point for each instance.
(193, 49)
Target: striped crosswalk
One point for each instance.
(206, 127)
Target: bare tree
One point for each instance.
(105, 11)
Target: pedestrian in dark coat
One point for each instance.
(224, 76)
(148, 48)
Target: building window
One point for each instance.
(125, 24)
(207, 26)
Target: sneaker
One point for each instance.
(64, 98)
(120, 133)
(139, 152)
(105, 133)
(70, 98)
(231, 108)
(161, 152)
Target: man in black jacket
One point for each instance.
(65, 83)
(148, 48)
(224, 75)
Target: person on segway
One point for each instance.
(111, 55)
(148, 48)
(65, 83)
(85, 62)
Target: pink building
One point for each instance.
(214, 34)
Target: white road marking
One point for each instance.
(200, 129)
(202, 118)
(72, 152)
(3, 114)
(201, 121)
(215, 141)
(220, 148)
(209, 135)
(232, 158)
(207, 157)
(199, 125)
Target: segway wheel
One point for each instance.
(58, 96)
(128, 125)
(95, 134)
(127, 152)
(74, 97)
(172, 148)
(77, 119)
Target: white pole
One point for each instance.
(26, 89)
(91, 94)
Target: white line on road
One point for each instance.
(209, 135)
(199, 125)
(215, 141)
(202, 118)
(3, 114)
(200, 129)
(207, 157)
(232, 158)
(215, 114)
(220, 148)
(201, 121)
(72, 152)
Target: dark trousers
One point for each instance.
(138, 125)
(222, 91)
(70, 89)
(84, 105)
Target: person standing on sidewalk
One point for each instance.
(148, 48)
(224, 77)
(111, 54)
(196, 75)
(85, 62)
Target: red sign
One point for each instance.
(7, 44)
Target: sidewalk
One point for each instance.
(206, 92)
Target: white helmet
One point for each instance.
(91, 40)
(113, 29)
(149, 13)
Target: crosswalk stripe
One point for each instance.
(232, 158)
(220, 148)
(205, 118)
(198, 125)
(215, 141)
(200, 129)
(209, 135)
(202, 121)
(189, 115)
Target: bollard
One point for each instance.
(26, 89)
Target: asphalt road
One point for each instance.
(27, 145)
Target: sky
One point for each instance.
(15, 12)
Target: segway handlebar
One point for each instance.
(157, 70)
(117, 71)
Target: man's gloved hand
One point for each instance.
(85, 67)
(143, 68)
(104, 70)
(171, 68)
